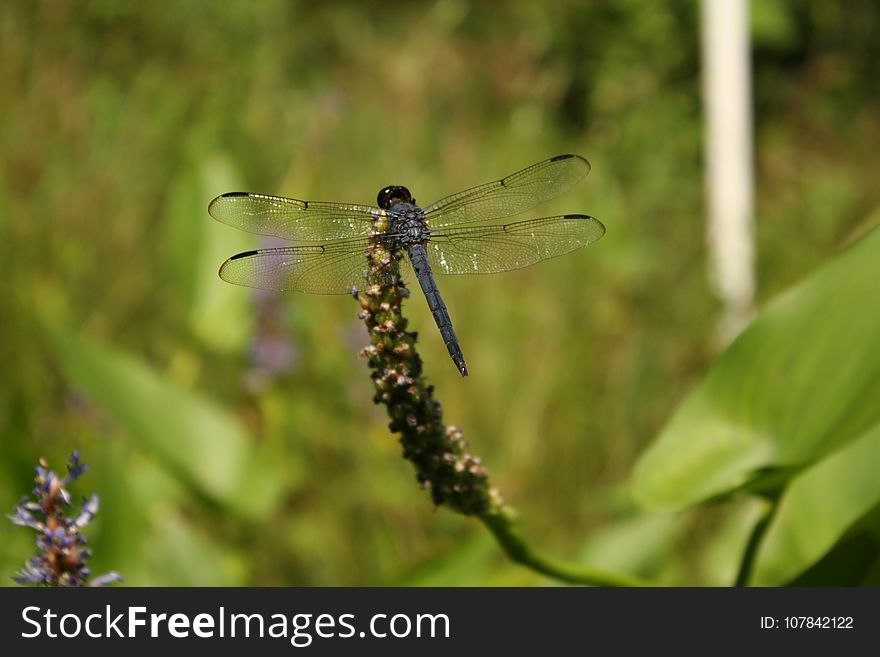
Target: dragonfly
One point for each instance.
(455, 235)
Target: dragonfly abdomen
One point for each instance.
(419, 258)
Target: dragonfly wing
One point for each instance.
(504, 247)
(292, 219)
(332, 268)
(517, 193)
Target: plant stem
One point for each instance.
(505, 530)
(454, 477)
(751, 551)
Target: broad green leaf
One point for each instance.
(204, 445)
(196, 245)
(463, 565)
(855, 561)
(183, 227)
(638, 544)
(800, 381)
(183, 556)
(140, 532)
(733, 523)
(817, 509)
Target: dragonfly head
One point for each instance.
(392, 195)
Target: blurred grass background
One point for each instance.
(120, 121)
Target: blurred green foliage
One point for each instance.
(231, 435)
(790, 411)
(800, 382)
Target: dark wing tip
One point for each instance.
(592, 220)
(223, 272)
(569, 156)
(212, 204)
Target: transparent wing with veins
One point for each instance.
(505, 247)
(331, 268)
(340, 260)
(336, 267)
(512, 195)
(293, 219)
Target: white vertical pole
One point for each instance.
(729, 156)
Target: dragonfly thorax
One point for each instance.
(406, 221)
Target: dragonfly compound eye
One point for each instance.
(392, 195)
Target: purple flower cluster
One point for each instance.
(62, 556)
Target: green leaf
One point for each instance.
(221, 314)
(818, 508)
(638, 544)
(855, 561)
(465, 563)
(803, 379)
(204, 445)
(195, 246)
(140, 532)
(187, 557)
